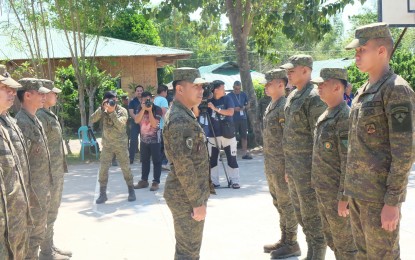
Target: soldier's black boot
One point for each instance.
(289, 249)
(309, 252)
(131, 193)
(271, 247)
(319, 253)
(102, 195)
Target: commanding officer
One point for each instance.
(58, 166)
(329, 162)
(274, 120)
(302, 109)
(32, 97)
(381, 146)
(114, 142)
(187, 185)
(19, 220)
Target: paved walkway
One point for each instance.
(239, 222)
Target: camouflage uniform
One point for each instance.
(273, 121)
(58, 166)
(114, 142)
(40, 173)
(329, 168)
(262, 106)
(187, 185)
(302, 109)
(380, 154)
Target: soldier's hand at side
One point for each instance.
(199, 213)
(389, 217)
(286, 178)
(342, 209)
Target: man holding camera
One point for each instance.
(133, 107)
(221, 109)
(149, 116)
(114, 142)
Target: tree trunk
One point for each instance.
(81, 96)
(91, 100)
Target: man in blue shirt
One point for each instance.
(161, 102)
(348, 95)
(221, 109)
(240, 99)
(133, 108)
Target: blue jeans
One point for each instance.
(133, 149)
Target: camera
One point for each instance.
(111, 102)
(207, 91)
(148, 103)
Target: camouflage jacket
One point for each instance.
(113, 126)
(37, 149)
(330, 152)
(262, 106)
(274, 120)
(185, 147)
(53, 132)
(381, 141)
(302, 111)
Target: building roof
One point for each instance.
(14, 47)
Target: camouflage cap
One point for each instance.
(330, 73)
(186, 74)
(275, 74)
(6, 79)
(49, 84)
(33, 84)
(298, 60)
(371, 31)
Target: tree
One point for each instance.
(303, 21)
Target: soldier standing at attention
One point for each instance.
(381, 146)
(329, 163)
(274, 120)
(58, 166)
(302, 109)
(32, 97)
(187, 185)
(19, 220)
(114, 142)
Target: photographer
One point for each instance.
(148, 117)
(220, 110)
(114, 142)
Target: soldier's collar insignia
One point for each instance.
(370, 128)
(189, 142)
(328, 145)
(281, 120)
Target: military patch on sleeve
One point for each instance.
(281, 121)
(401, 117)
(328, 145)
(189, 143)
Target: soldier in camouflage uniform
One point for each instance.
(274, 120)
(114, 142)
(302, 109)
(32, 97)
(329, 162)
(19, 219)
(381, 146)
(187, 185)
(58, 166)
(262, 106)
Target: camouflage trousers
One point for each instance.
(304, 198)
(4, 243)
(372, 241)
(337, 229)
(107, 154)
(40, 217)
(275, 173)
(188, 232)
(55, 202)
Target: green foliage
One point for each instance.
(69, 102)
(402, 64)
(259, 89)
(129, 25)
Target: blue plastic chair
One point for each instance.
(86, 141)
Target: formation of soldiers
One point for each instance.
(32, 167)
(339, 172)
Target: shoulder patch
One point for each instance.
(401, 117)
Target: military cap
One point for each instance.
(367, 32)
(188, 74)
(50, 85)
(6, 79)
(110, 94)
(298, 60)
(275, 74)
(330, 73)
(33, 84)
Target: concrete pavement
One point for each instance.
(238, 224)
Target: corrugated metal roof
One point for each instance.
(14, 47)
(334, 63)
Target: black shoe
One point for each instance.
(247, 157)
(131, 161)
(216, 185)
